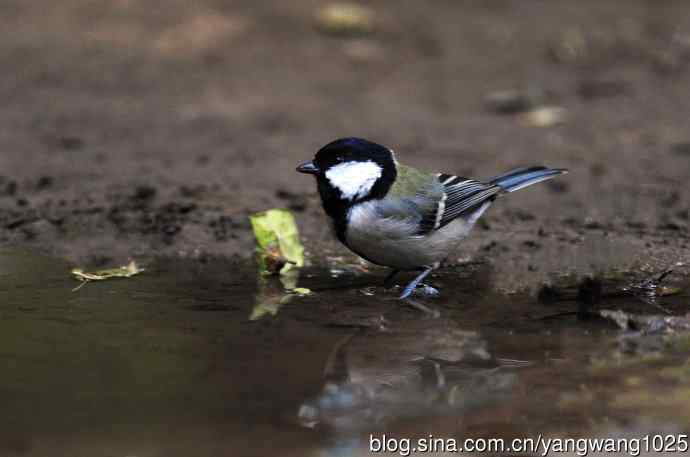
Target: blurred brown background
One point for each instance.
(136, 128)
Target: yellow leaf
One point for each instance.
(124, 271)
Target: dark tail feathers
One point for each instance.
(523, 177)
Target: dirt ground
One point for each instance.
(133, 128)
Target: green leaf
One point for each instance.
(277, 239)
(280, 251)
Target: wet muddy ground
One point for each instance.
(151, 130)
(132, 128)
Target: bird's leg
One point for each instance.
(388, 282)
(415, 282)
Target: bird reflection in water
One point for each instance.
(418, 368)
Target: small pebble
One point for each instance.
(345, 18)
(681, 149)
(507, 102)
(545, 116)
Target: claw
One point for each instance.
(413, 284)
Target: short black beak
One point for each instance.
(308, 167)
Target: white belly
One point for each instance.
(392, 243)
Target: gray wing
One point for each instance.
(438, 204)
(460, 196)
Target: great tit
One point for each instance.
(398, 216)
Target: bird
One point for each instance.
(398, 216)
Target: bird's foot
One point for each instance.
(423, 290)
(414, 283)
(427, 290)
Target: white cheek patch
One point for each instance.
(354, 179)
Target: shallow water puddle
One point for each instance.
(168, 364)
